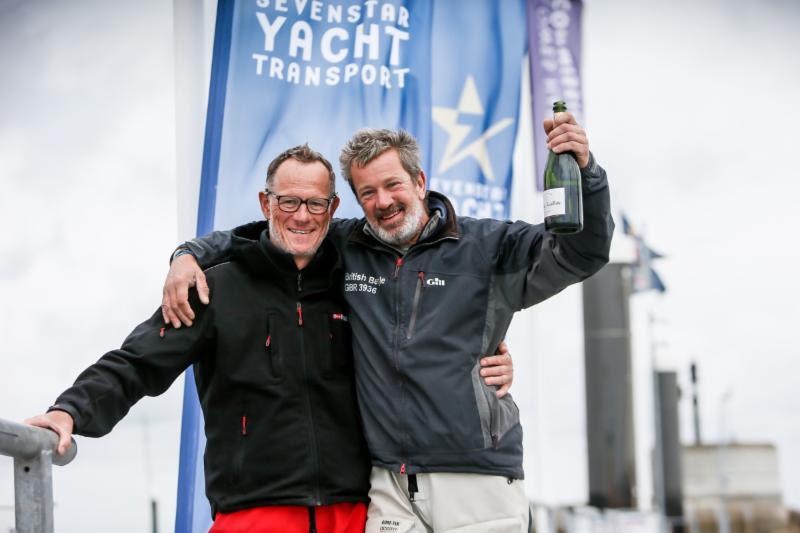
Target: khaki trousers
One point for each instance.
(446, 503)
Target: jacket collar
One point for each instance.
(265, 260)
(447, 226)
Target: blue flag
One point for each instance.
(644, 276)
(478, 52)
(286, 72)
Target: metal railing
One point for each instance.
(33, 450)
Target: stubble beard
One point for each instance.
(277, 239)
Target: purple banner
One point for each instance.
(554, 29)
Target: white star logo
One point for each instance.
(447, 119)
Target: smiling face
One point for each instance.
(392, 201)
(299, 233)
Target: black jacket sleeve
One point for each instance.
(148, 362)
(216, 247)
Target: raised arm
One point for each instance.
(535, 264)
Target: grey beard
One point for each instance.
(411, 226)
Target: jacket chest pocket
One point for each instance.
(337, 350)
(252, 347)
(271, 364)
(437, 303)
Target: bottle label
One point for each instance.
(554, 202)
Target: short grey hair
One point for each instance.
(304, 154)
(367, 144)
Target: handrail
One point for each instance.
(27, 442)
(33, 450)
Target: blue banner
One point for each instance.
(285, 72)
(308, 71)
(478, 48)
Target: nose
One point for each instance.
(302, 214)
(383, 198)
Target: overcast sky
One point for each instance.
(87, 142)
(690, 106)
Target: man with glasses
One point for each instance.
(272, 361)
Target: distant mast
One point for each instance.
(695, 406)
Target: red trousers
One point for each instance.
(337, 518)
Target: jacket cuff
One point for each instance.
(70, 410)
(593, 175)
(179, 251)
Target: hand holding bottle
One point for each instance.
(568, 153)
(564, 134)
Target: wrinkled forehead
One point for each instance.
(295, 178)
(383, 167)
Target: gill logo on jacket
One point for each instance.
(435, 282)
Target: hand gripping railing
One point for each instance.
(33, 450)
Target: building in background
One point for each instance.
(741, 479)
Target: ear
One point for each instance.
(263, 199)
(334, 205)
(421, 180)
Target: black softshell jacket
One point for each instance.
(273, 366)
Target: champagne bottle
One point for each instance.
(563, 201)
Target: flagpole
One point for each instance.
(658, 467)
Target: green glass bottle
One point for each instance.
(563, 201)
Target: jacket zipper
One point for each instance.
(413, 320)
(271, 357)
(402, 384)
(307, 395)
(397, 265)
(237, 472)
(312, 520)
(376, 245)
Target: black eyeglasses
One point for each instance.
(290, 204)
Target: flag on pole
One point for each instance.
(644, 276)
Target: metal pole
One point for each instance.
(658, 470)
(33, 494)
(33, 451)
(21, 440)
(722, 480)
(154, 514)
(695, 406)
